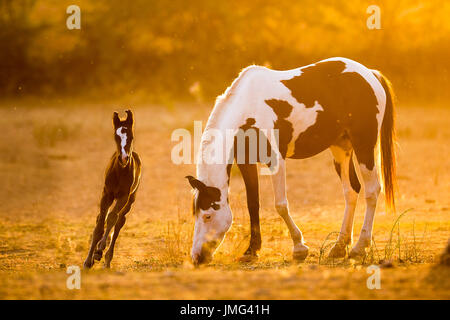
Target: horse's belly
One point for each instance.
(314, 140)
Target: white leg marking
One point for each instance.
(345, 237)
(372, 190)
(281, 204)
(344, 159)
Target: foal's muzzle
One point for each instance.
(124, 160)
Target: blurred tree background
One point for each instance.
(180, 50)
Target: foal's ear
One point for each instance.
(116, 120)
(130, 116)
(196, 184)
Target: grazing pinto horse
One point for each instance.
(121, 183)
(337, 104)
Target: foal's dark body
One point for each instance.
(121, 184)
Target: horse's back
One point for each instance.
(315, 105)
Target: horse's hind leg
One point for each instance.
(366, 160)
(346, 170)
(300, 251)
(119, 224)
(105, 203)
(250, 176)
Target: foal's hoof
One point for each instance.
(88, 264)
(300, 253)
(101, 245)
(339, 250)
(98, 255)
(248, 258)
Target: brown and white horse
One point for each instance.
(335, 104)
(121, 183)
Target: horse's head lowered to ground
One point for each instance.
(123, 135)
(212, 220)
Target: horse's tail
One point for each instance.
(387, 144)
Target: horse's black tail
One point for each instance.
(387, 144)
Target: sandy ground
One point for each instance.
(51, 170)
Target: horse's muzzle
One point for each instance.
(205, 254)
(201, 258)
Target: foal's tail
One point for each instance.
(387, 144)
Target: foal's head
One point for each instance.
(123, 135)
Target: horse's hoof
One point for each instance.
(300, 253)
(357, 253)
(359, 250)
(88, 264)
(248, 258)
(338, 251)
(98, 255)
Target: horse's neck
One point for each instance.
(223, 121)
(225, 115)
(226, 118)
(214, 175)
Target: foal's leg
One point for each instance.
(250, 175)
(119, 224)
(351, 187)
(110, 222)
(97, 252)
(300, 251)
(372, 190)
(105, 203)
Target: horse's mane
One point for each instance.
(221, 104)
(221, 100)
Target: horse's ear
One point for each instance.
(130, 116)
(196, 184)
(116, 120)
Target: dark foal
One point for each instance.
(121, 183)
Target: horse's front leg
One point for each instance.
(250, 175)
(300, 251)
(105, 203)
(119, 224)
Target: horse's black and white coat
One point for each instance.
(335, 103)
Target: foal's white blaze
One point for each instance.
(123, 141)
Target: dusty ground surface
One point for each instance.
(51, 170)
